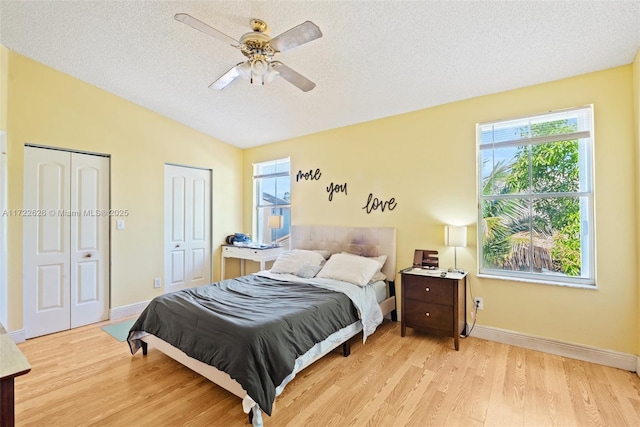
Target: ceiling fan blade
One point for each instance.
(201, 26)
(303, 33)
(228, 77)
(293, 77)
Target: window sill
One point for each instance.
(593, 287)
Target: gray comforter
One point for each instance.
(253, 328)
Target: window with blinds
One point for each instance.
(535, 208)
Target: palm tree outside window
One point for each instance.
(536, 198)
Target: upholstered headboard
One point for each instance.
(365, 241)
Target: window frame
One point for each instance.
(585, 195)
(277, 208)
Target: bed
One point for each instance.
(272, 324)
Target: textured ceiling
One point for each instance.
(375, 59)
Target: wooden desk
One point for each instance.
(12, 364)
(261, 255)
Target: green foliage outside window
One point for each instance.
(535, 232)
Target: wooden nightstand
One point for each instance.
(434, 304)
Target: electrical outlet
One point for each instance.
(157, 282)
(479, 301)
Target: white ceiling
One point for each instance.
(375, 59)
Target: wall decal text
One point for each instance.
(374, 204)
(336, 188)
(311, 175)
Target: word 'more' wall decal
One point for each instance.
(311, 175)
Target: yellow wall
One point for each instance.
(426, 160)
(50, 108)
(4, 55)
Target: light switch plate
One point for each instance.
(120, 224)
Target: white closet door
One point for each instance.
(46, 243)
(89, 239)
(4, 263)
(66, 240)
(187, 227)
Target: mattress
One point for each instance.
(380, 289)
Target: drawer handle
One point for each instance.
(427, 314)
(426, 289)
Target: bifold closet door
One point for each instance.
(89, 239)
(66, 240)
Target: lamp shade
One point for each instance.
(275, 221)
(455, 236)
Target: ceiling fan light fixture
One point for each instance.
(261, 71)
(259, 49)
(257, 72)
(259, 66)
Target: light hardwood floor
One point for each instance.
(85, 377)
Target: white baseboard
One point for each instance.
(18, 336)
(638, 366)
(615, 359)
(114, 314)
(127, 310)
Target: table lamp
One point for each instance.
(455, 236)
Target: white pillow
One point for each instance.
(325, 254)
(349, 268)
(381, 259)
(308, 271)
(379, 276)
(290, 262)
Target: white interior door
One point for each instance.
(89, 239)
(4, 263)
(187, 227)
(46, 241)
(66, 274)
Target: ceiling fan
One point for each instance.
(260, 49)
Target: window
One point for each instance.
(272, 191)
(536, 198)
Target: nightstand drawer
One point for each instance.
(423, 315)
(428, 289)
